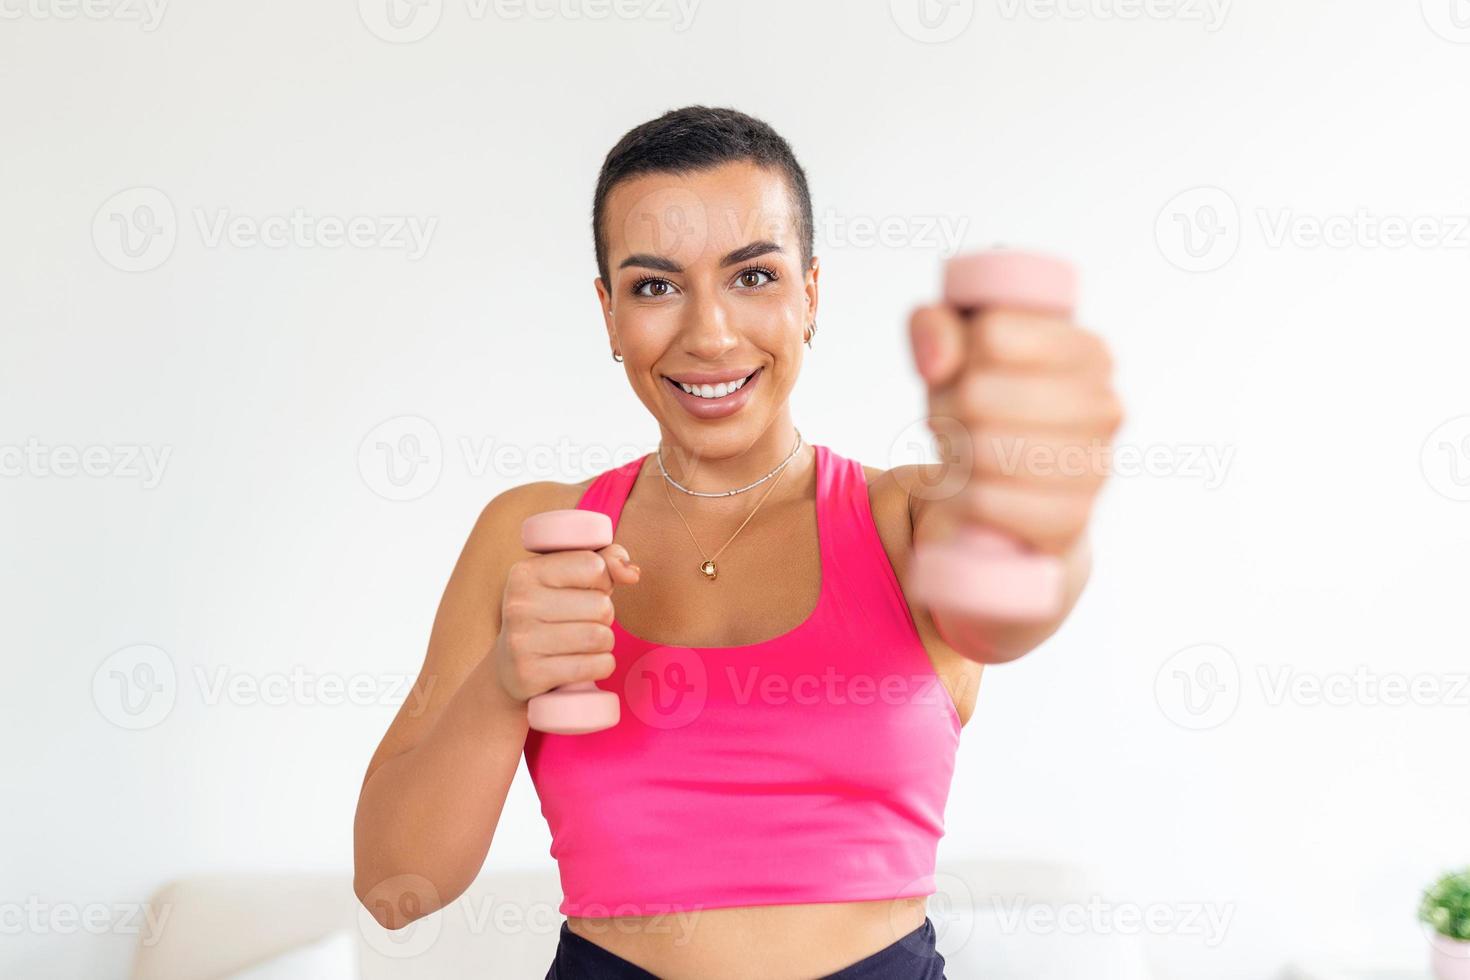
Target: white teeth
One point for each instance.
(713, 391)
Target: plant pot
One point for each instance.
(1450, 957)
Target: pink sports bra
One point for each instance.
(813, 767)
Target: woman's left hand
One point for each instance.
(1032, 393)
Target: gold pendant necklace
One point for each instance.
(707, 567)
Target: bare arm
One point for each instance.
(435, 787)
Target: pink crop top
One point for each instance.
(813, 767)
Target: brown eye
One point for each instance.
(661, 287)
(752, 277)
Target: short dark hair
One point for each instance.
(696, 138)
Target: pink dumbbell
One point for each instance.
(984, 572)
(580, 707)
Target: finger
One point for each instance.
(619, 565)
(936, 335)
(555, 639)
(1048, 520)
(572, 667)
(1035, 341)
(989, 396)
(1049, 458)
(572, 605)
(574, 569)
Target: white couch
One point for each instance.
(995, 919)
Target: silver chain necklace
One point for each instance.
(729, 493)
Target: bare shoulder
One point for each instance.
(497, 531)
(893, 515)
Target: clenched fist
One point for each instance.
(1020, 399)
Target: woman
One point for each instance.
(771, 801)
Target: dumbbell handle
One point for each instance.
(582, 706)
(981, 571)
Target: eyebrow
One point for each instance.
(742, 254)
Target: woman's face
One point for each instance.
(707, 286)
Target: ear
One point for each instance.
(812, 275)
(604, 303)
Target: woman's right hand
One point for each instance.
(556, 619)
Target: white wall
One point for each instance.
(270, 545)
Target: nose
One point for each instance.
(707, 332)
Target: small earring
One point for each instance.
(811, 333)
(617, 357)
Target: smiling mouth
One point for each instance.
(712, 392)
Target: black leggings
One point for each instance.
(913, 957)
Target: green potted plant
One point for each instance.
(1445, 907)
